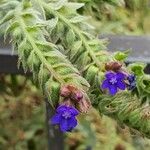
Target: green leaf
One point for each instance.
(63, 65)
(23, 49)
(70, 37)
(52, 89)
(91, 74)
(52, 23)
(58, 5)
(120, 56)
(78, 19)
(75, 49)
(9, 5)
(137, 68)
(74, 6)
(41, 76)
(83, 60)
(83, 82)
(31, 59)
(11, 27)
(55, 91)
(7, 17)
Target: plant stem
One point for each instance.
(76, 30)
(37, 51)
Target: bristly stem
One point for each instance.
(76, 30)
(37, 51)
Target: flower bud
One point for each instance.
(67, 102)
(65, 91)
(84, 105)
(71, 92)
(131, 79)
(120, 147)
(76, 95)
(114, 66)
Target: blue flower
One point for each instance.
(132, 82)
(113, 82)
(65, 117)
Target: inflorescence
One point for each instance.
(73, 103)
(117, 79)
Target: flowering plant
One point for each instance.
(72, 66)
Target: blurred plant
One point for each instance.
(22, 118)
(95, 132)
(125, 16)
(22, 115)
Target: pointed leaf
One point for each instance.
(78, 19)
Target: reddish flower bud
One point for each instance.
(120, 147)
(65, 91)
(84, 105)
(76, 95)
(71, 88)
(71, 92)
(67, 102)
(114, 66)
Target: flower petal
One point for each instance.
(120, 75)
(68, 124)
(72, 122)
(109, 75)
(132, 86)
(74, 111)
(64, 125)
(121, 85)
(112, 90)
(105, 84)
(55, 119)
(61, 108)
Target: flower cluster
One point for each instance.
(74, 102)
(116, 79)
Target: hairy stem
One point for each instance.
(37, 51)
(76, 30)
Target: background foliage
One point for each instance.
(22, 123)
(119, 16)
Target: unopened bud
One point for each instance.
(114, 66)
(84, 105)
(76, 95)
(67, 102)
(65, 91)
(120, 147)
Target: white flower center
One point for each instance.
(66, 115)
(113, 80)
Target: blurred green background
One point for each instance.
(22, 107)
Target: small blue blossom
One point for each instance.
(65, 117)
(113, 82)
(132, 82)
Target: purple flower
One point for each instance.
(132, 82)
(65, 117)
(113, 82)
